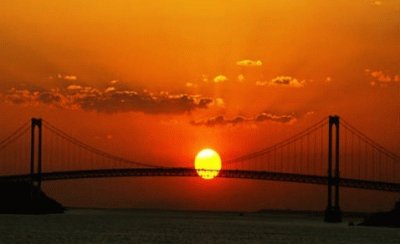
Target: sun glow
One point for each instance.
(207, 163)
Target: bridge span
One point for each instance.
(190, 172)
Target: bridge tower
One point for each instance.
(36, 178)
(333, 212)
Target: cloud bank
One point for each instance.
(109, 100)
(262, 117)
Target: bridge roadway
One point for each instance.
(190, 172)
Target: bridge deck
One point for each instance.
(190, 172)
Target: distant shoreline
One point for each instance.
(261, 211)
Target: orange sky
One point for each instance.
(147, 80)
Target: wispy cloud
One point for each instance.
(109, 89)
(249, 63)
(376, 3)
(220, 78)
(65, 77)
(221, 120)
(70, 77)
(379, 78)
(191, 85)
(241, 77)
(74, 87)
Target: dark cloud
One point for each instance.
(125, 101)
(110, 100)
(262, 117)
(277, 118)
(219, 120)
(282, 81)
(49, 98)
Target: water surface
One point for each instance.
(145, 226)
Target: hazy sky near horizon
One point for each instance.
(160, 80)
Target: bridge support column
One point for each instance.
(36, 178)
(333, 212)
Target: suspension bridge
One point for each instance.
(331, 152)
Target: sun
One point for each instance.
(207, 163)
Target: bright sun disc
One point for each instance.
(207, 163)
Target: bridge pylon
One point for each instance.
(36, 177)
(333, 212)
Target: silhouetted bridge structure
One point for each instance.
(311, 156)
(190, 172)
